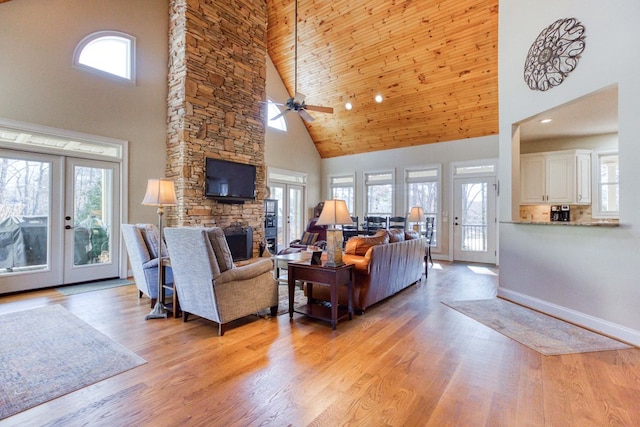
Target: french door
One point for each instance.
(59, 220)
(290, 212)
(474, 220)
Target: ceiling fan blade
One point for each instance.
(306, 116)
(298, 98)
(319, 109)
(279, 115)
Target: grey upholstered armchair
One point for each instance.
(209, 285)
(143, 249)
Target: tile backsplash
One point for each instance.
(541, 213)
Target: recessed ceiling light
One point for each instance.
(378, 98)
(546, 121)
(348, 106)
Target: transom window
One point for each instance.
(108, 53)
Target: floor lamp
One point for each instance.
(416, 215)
(160, 193)
(334, 212)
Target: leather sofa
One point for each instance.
(385, 264)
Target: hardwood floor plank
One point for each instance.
(408, 361)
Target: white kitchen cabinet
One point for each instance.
(556, 177)
(583, 178)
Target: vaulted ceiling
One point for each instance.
(435, 62)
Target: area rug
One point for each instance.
(48, 352)
(538, 331)
(283, 303)
(93, 286)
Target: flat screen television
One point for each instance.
(229, 182)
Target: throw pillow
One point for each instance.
(220, 248)
(411, 235)
(360, 245)
(150, 234)
(396, 235)
(308, 238)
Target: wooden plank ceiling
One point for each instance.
(435, 62)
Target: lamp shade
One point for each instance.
(160, 192)
(416, 214)
(334, 212)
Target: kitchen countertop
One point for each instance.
(567, 223)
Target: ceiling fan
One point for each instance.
(297, 104)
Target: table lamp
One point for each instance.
(416, 215)
(160, 193)
(334, 213)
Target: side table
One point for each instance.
(324, 276)
(281, 262)
(174, 305)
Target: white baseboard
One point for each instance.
(610, 329)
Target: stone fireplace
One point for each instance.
(217, 77)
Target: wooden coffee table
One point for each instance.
(323, 276)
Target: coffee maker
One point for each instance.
(560, 213)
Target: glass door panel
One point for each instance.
(296, 212)
(277, 193)
(474, 220)
(29, 205)
(91, 231)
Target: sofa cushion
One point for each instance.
(396, 235)
(220, 248)
(360, 245)
(411, 235)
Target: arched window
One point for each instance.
(274, 111)
(109, 53)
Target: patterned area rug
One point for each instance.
(48, 352)
(538, 331)
(283, 304)
(93, 286)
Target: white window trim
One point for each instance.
(596, 198)
(107, 33)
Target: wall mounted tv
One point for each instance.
(229, 182)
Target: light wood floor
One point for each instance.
(409, 361)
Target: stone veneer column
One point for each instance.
(217, 77)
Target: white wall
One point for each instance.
(39, 85)
(584, 274)
(293, 150)
(443, 154)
